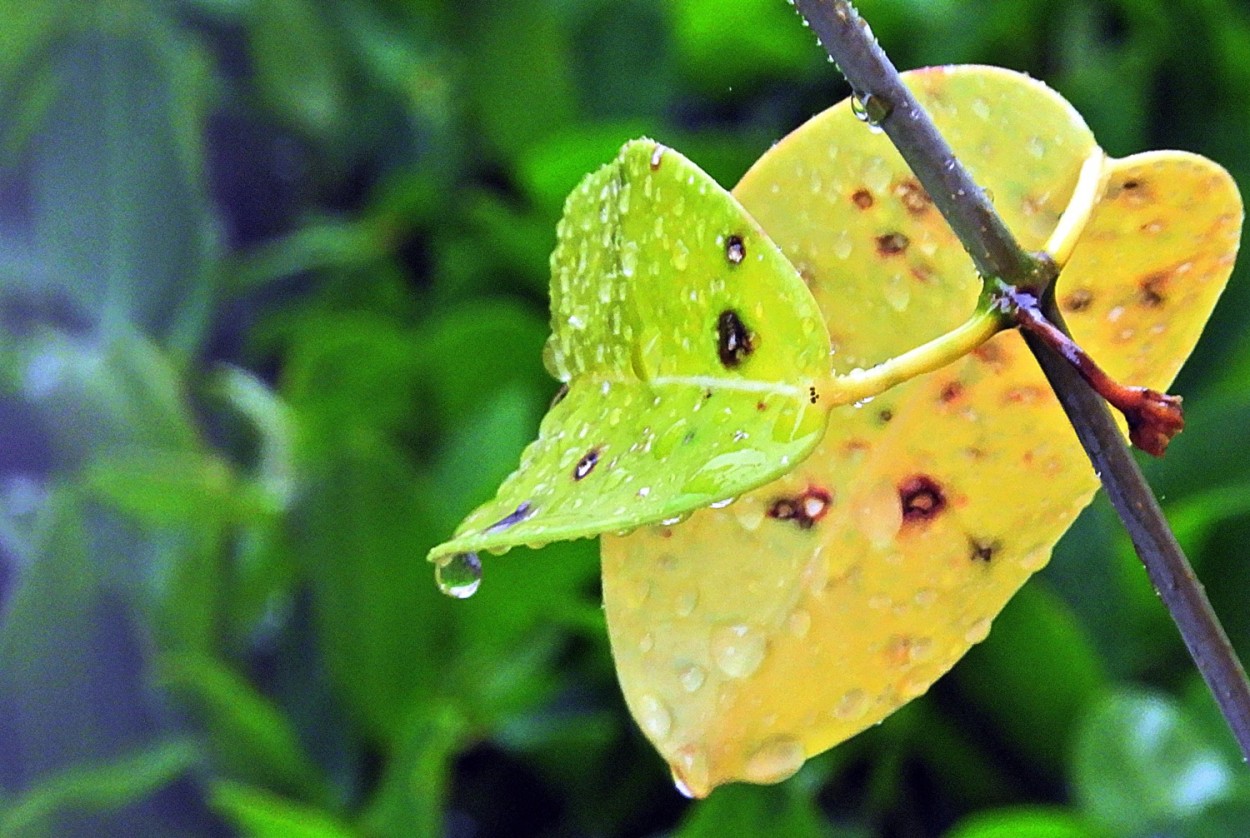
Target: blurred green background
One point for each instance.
(272, 297)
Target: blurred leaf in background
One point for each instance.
(272, 300)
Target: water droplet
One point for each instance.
(880, 515)
(799, 623)
(459, 575)
(686, 603)
(690, 771)
(1036, 147)
(647, 643)
(692, 678)
(629, 259)
(737, 650)
(842, 245)
(775, 760)
(852, 705)
(681, 255)
(749, 515)
(981, 108)
(654, 716)
(978, 631)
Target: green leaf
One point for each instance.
(259, 813)
(251, 737)
(119, 210)
(96, 787)
(689, 345)
(1140, 762)
(1025, 822)
(298, 66)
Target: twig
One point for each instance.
(996, 254)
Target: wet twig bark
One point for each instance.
(996, 254)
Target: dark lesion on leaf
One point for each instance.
(862, 198)
(982, 550)
(735, 249)
(734, 342)
(804, 509)
(921, 498)
(892, 244)
(586, 464)
(1151, 290)
(1078, 300)
(913, 197)
(951, 391)
(885, 416)
(522, 512)
(812, 395)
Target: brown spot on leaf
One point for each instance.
(1151, 290)
(1078, 300)
(586, 464)
(991, 354)
(982, 551)
(921, 498)
(862, 198)
(761, 406)
(913, 197)
(951, 391)
(892, 244)
(885, 416)
(812, 395)
(733, 342)
(804, 509)
(923, 273)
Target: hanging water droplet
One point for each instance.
(459, 575)
(737, 650)
(721, 504)
(775, 760)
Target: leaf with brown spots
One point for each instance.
(688, 344)
(745, 643)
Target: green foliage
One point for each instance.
(272, 305)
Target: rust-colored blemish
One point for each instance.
(951, 391)
(892, 244)
(862, 198)
(921, 498)
(913, 196)
(857, 446)
(804, 509)
(991, 354)
(1078, 300)
(761, 406)
(1022, 395)
(923, 273)
(1151, 291)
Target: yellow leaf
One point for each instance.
(752, 637)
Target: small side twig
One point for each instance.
(996, 254)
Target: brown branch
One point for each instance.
(996, 254)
